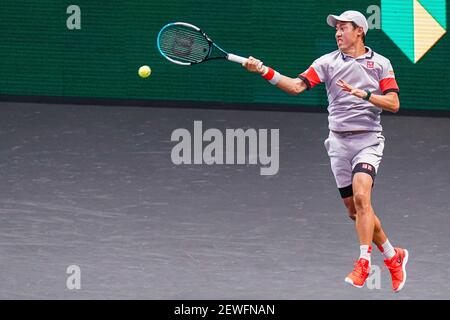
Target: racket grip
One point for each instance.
(235, 58)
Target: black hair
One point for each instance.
(364, 35)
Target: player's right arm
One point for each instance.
(292, 86)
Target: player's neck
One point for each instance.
(355, 51)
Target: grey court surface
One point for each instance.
(95, 187)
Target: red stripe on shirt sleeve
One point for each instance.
(312, 76)
(388, 84)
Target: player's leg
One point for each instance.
(365, 166)
(340, 160)
(379, 237)
(367, 152)
(365, 220)
(365, 224)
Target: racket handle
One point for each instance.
(235, 58)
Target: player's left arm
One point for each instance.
(389, 101)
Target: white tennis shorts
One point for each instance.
(346, 151)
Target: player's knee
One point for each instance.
(362, 201)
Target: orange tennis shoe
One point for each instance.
(397, 268)
(360, 273)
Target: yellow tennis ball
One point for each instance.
(144, 71)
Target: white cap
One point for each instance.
(349, 16)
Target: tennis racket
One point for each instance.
(185, 44)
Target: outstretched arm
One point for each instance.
(389, 101)
(292, 86)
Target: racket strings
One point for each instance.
(184, 44)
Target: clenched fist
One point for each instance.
(254, 65)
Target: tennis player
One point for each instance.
(360, 84)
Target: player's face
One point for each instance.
(346, 35)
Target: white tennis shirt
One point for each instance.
(371, 71)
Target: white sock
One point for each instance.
(388, 250)
(365, 251)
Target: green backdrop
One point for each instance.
(39, 56)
